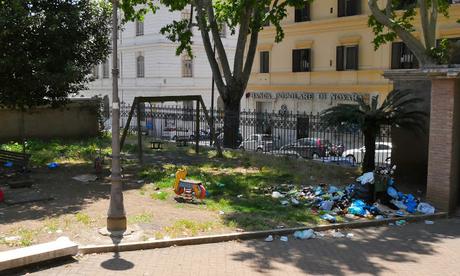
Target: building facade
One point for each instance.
(149, 66)
(326, 57)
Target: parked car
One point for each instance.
(312, 148)
(204, 135)
(258, 142)
(382, 153)
(172, 133)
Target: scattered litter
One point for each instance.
(326, 205)
(221, 213)
(399, 213)
(319, 234)
(366, 178)
(305, 234)
(59, 231)
(52, 165)
(276, 194)
(429, 222)
(152, 239)
(401, 222)
(12, 238)
(220, 185)
(391, 224)
(8, 164)
(269, 238)
(85, 178)
(350, 235)
(337, 234)
(284, 202)
(425, 208)
(295, 201)
(350, 216)
(379, 217)
(329, 218)
(140, 181)
(239, 196)
(284, 238)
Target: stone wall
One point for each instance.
(77, 119)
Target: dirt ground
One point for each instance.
(78, 210)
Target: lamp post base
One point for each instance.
(116, 224)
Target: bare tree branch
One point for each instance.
(218, 41)
(201, 18)
(410, 40)
(251, 51)
(245, 20)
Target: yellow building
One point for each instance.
(326, 56)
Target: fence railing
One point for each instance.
(301, 135)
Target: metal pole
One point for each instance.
(197, 132)
(211, 138)
(116, 216)
(139, 133)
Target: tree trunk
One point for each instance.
(369, 155)
(231, 124)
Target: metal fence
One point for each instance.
(300, 135)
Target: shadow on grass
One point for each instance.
(69, 196)
(374, 252)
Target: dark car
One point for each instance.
(312, 148)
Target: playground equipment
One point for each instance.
(188, 188)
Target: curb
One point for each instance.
(244, 235)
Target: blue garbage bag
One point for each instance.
(357, 207)
(318, 191)
(53, 165)
(8, 164)
(333, 189)
(411, 203)
(328, 217)
(391, 191)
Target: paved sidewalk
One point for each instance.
(414, 249)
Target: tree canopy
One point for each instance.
(48, 48)
(396, 19)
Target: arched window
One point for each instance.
(140, 66)
(187, 66)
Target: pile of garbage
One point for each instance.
(373, 196)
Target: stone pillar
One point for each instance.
(410, 149)
(444, 147)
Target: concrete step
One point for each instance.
(37, 253)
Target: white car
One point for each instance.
(173, 133)
(382, 153)
(258, 142)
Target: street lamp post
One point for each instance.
(116, 216)
(212, 102)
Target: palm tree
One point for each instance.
(401, 109)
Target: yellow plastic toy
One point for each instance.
(188, 187)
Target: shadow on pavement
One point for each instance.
(362, 254)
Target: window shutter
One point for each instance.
(339, 58)
(295, 60)
(396, 55)
(307, 12)
(357, 7)
(356, 57)
(341, 5)
(261, 57)
(298, 15)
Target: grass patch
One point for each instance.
(186, 227)
(22, 237)
(237, 185)
(141, 218)
(160, 195)
(83, 218)
(51, 224)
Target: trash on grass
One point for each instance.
(85, 178)
(329, 218)
(425, 208)
(52, 165)
(337, 234)
(350, 235)
(276, 194)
